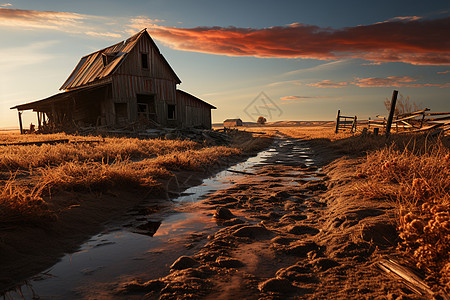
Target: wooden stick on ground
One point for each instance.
(406, 276)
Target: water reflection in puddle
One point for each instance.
(133, 243)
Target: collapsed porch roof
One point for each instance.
(45, 104)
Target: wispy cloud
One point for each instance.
(289, 82)
(328, 84)
(444, 72)
(406, 18)
(22, 19)
(104, 34)
(391, 81)
(6, 4)
(372, 63)
(39, 19)
(140, 22)
(397, 81)
(322, 67)
(421, 42)
(293, 98)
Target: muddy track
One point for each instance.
(291, 228)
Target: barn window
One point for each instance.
(108, 58)
(144, 60)
(171, 111)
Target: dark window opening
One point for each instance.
(108, 58)
(171, 111)
(144, 60)
(121, 113)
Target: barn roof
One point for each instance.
(57, 98)
(90, 68)
(198, 99)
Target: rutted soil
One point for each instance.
(290, 230)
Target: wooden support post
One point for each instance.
(421, 121)
(375, 131)
(391, 113)
(20, 122)
(354, 124)
(39, 120)
(337, 121)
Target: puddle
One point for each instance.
(146, 240)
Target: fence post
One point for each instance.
(391, 113)
(337, 121)
(354, 124)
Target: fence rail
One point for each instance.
(417, 121)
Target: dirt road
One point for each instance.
(290, 229)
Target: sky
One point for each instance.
(284, 60)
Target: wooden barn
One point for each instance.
(232, 123)
(125, 83)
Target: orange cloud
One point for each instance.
(38, 19)
(391, 81)
(54, 20)
(405, 39)
(407, 18)
(372, 63)
(6, 4)
(328, 84)
(444, 72)
(290, 98)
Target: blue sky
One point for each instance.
(227, 52)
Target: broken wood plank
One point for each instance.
(406, 124)
(419, 112)
(377, 124)
(437, 114)
(406, 275)
(438, 119)
(407, 118)
(433, 126)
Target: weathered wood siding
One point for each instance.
(131, 79)
(193, 112)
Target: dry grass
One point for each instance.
(32, 156)
(22, 205)
(418, 180)
(112, 163)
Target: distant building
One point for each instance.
(119, 85)
(232, 123)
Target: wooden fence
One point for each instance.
(344, 122)
(418, 121)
